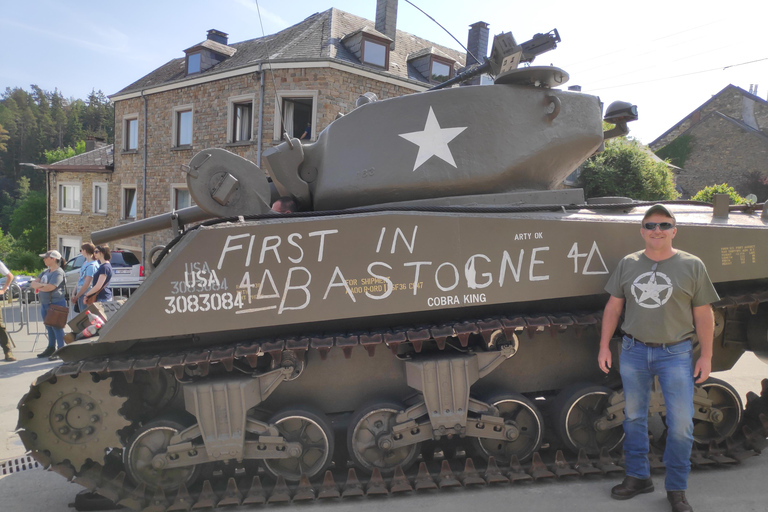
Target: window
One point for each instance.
(240, 127)
(441, 71)
(182, 126)
(69, 247)
(99, 198)
(131, 132)
(299, 112)
(193, 63)
(375, 53)
(129, 203)
(69, 197)
(180, 197)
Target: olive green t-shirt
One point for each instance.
(660, 296)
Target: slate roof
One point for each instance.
(103, 156)
(317, 38)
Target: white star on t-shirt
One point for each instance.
(653, 293)
(433, 141)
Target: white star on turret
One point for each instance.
(433, 141)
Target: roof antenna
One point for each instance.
(442, 27)
(274, 84)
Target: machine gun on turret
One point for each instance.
(507, 55)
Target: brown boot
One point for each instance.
(678, 501)
(9, 356)
(631, 487)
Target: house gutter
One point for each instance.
(144, 183)
(261, 115)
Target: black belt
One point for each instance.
(652, 345)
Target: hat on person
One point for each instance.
(659, 208)
(52, 254)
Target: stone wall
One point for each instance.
(730, 101)
(722, 152)
(80, 225)
(337, 92)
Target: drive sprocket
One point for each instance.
(73, 419)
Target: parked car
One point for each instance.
(127, 272)
(23, 285)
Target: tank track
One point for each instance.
(100, 470)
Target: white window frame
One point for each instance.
(69, 241)
(126, 134)
(103, 185)
(76, 208)
(200, 64)
(281, 95)
(122, 201)
(231, 104)
(174, 188)
(174, 125)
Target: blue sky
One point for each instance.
(665, 56)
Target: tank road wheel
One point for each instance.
(577, 410)
(313, 431)
(368, 437)
(516, 410)
(150, 440)
(73, 418)
(725, 413)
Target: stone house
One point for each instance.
(82, 197)
(725, 140)
(243, 96)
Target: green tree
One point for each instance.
(56, 155)
(3, 139)
(625, 168)
(705, 195)
(28, 222)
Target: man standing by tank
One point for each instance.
(668, 297)
(5, 341)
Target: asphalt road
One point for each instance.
(737, 489)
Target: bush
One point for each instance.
(626, 169)
(26, 261)
(705, 194)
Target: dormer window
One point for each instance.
(441, 70)
(205, 55)
(370, 46)
(193, 63)
(434, 65)
(375, 53)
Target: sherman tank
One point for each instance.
(436, 294)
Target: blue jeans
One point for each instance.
(55, 336)
(673, 366)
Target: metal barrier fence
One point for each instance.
(21, 311)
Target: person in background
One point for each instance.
(5, 340)
(87, 270)
(285, 204)
(103, 275)
(307, 132)
(50, 290)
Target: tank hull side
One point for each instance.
(247, 279)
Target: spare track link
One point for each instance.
(108, 479)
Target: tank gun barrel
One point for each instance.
(151, 224)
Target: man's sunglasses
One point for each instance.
(664, 226)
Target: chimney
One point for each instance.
(477, 45)
(386, 19)
(218, 36)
